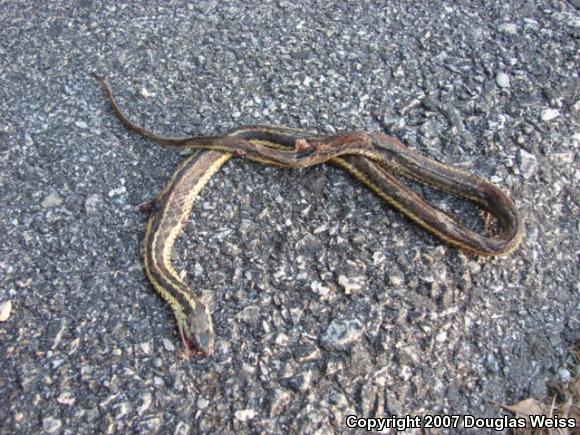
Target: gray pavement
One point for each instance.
(326, 302)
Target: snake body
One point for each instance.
(375, 159)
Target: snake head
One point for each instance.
(196, 330)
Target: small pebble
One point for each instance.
(117, 191)
(279, 402)
(145, 348)
(406, 372)
(395, 279)
(378, 258)
(52, 200)
(145, 93)
(474, 267)
(245, 414)
(202, 403)
(342, 333)
(250, 314)
(5, 309)
(282, 339)
(92, 203)
(491, 363)
(564, 375)
(51, 424)
(168, 345)
(527, 163)
(302, 381)
(66, 398)
(350, 285)
(502, 79)
(508, 28)
(147, 400)
(549, 114)
(320, 289)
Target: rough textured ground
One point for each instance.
(426, 329)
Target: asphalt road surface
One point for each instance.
(326, 302)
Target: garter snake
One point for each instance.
(375, 159)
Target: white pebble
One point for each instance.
(502, 79)
(245, 414)
(145, 93)
(549, 114)
(5, 309)
(53, 199)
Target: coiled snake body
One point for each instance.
(375, 159)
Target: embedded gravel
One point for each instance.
(326, 302)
